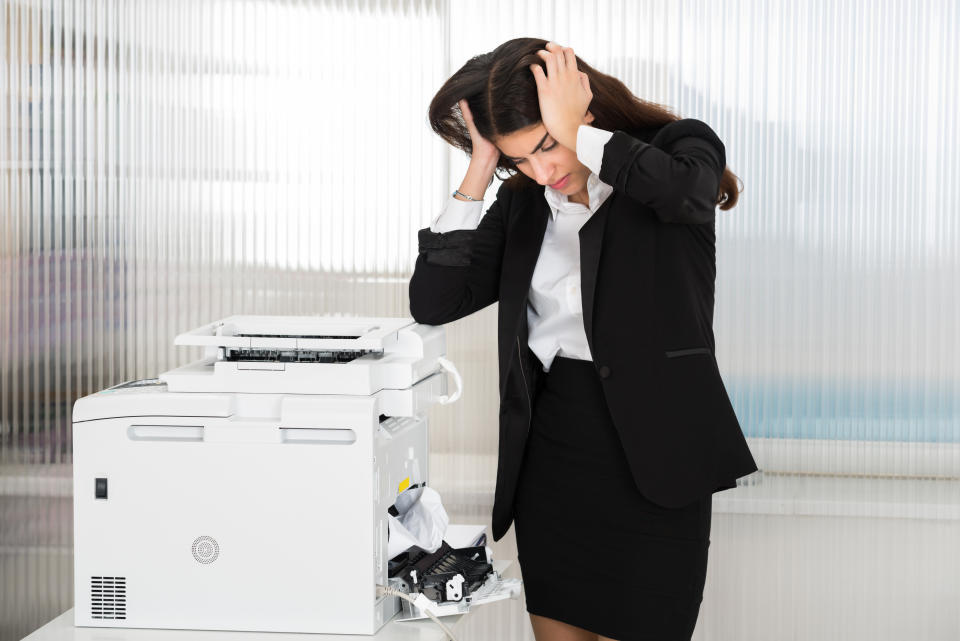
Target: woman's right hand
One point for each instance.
(483, 149)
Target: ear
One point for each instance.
(588, 118)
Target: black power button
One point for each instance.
(101, 489)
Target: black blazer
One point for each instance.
(648, 265)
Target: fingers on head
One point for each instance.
(565, 56)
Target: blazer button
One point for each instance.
(604, 371)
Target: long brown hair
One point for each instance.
(502, 96)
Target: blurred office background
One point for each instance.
(168, 163)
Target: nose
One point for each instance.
(542, 171)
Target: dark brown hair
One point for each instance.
(502, 95)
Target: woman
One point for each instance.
(615, 427)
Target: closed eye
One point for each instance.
(550, 148)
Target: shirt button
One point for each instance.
(604, 371)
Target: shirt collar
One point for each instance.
(559, 203)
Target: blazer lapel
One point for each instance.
(591, 246)
(520, 260)
(526, 241)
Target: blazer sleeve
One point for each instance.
(458, 272)
(677, 174)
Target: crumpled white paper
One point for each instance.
(422, 521)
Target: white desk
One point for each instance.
(62, 629)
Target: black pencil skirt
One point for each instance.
(593, 551)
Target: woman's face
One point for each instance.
(542, 158)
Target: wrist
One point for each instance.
(459, 195)
(485, 162)
(569, 139)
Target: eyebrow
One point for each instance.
(539, 144)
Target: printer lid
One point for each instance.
(332, 355)
(323, 333)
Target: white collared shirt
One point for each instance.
(554, 304)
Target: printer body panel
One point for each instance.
(232, 523)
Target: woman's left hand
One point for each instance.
(564, 94)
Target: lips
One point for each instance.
(560, 183)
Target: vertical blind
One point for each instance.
(169, 163)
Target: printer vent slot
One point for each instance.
(108, 597)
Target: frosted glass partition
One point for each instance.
(164, 163)
(168, 163)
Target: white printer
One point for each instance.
(250, 490)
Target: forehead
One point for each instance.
(519, 143)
